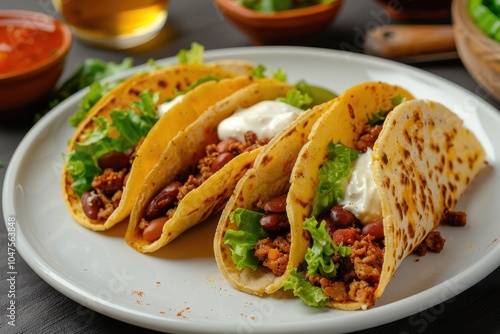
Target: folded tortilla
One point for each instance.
(268, 178)
(166, 83)
(422, 162)
(183, 152)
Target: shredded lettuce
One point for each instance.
(260, 71)
(131, 126)
(319, 255)
(333, 176)
(296, 98)
(96, 92)
(277, 5)
(193, 55)
(90, 71)
(379, 116)
(243, 240)
(310, 294)
(319, 262)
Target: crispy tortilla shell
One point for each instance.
(183, 152)
(165, 82)
(267, 179)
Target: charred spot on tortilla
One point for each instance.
(162, 83)
(134, 92)
(351, 110)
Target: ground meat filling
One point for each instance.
(216, 156)
(273, 252)
(107, 188)
(358, 275)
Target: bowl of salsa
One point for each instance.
(33, 49)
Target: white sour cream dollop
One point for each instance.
(361, 195)
(166, 106)
(265, 119)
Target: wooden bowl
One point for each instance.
(281, 27)
(479, 53)
(28, 71)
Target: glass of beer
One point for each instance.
(115, 24)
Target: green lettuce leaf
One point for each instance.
(243, 240)
(301, 287)
(319, 262)
(131, 126)
(193, 55)
(96, 92)
(319, 256)
(260, 71)
(333, 177)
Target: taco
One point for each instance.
(254, 247)
(197, 172)
(263, 184)
(376, 188)
(115, 146)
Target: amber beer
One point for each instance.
(114, 23)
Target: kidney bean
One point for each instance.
(342, 218)
(154, 229)
(223, 145)
(161, 202)
(274, 222)
(91, 204)
(375, 228)
(329, 227)
(345, 236)
(276, 204)
(220, 161)
(113, 159)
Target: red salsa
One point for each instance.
(24, 43)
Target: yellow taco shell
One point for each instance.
(165, 82)
(183, 152)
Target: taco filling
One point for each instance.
(100, 166)
(344, 264)
(246, 130)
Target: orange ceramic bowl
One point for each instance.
(281, 27)
(479, 53)
(33, 49)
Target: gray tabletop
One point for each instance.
(42, 309)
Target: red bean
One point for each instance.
(342, 218)
(275, 222)
(154, 229)
(329, 227)
(220, 161)
(91, 204)
(276, 204)
(345, 236)
(375, 228)
(224, 145)
(161, 202)
(113, 159)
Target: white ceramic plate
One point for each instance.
(179, 288)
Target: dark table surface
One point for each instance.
(42, 309)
